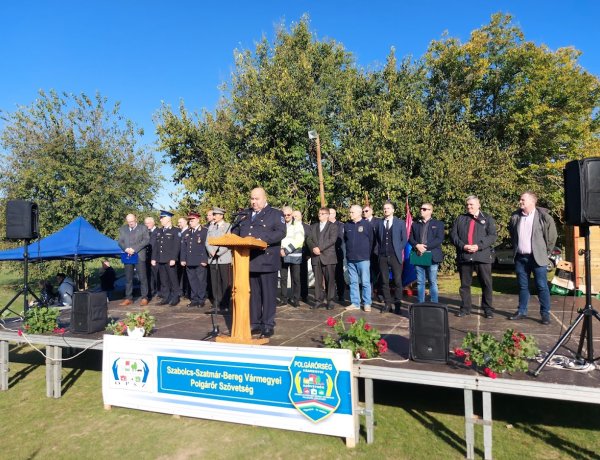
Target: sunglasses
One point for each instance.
(287, 215)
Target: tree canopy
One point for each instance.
(494, 116)
(73, 155)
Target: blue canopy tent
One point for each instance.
(79, 240)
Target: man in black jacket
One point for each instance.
(267, 224)
(474, 234)
(321, 239)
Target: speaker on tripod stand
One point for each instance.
(22, 224)
(582, 208)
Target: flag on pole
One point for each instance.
(409, 273)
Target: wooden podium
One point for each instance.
(240, 291)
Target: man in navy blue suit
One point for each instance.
(267, 224)
(427, 234)
(391, 238)
(194, 259)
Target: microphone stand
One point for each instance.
(215, 327)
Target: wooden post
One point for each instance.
(320, 171)
(240, 330)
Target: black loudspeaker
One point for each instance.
(90, 312)
(21, 220)
(429, 332)
(582, 192)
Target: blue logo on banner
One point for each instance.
(313, 388)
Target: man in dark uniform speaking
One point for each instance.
(267, 224)
(165, 254)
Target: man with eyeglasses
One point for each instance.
(297, 215)
(376, 279)
(474, 235)
(321, 243)
(427, 235)
(291, 258)
(340, 282)
(358, 238)
(390, 240)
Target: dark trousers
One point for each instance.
(304, 279)
(484, 274)
(169, 284)
(295, 271)
(184, 282)
(220, 278)
(324, 276)
(376, 275)
(141, 270)
(385, 264)
(263, 299)
(153, 281)
(197, 278)
(340, 283)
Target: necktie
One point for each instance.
(471, 231)
(387, 224)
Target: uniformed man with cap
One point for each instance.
(165, 254)
(219, 261)
(267, 224)
(195, 259)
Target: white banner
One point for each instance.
(302, 389)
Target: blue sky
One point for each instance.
(144, 52)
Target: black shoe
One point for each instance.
(293, 303)
(461, 313)
(304, 299)
(387, 308)
(329, 306)
(256, 330)
(545, 320)
(283, 303)
(163, 302)
(193, 304)
(316, 305)
(201, 304)
(488, 314)
(517, 316)
(268, 332)
(174, 302)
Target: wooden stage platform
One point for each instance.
(302, 327)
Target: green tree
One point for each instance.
(258, 134)
(73, 155)
(537, 103)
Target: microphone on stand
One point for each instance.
(240, 216)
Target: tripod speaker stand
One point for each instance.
(26, 289)
(585, 314)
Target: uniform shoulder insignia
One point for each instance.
(179, 234)
(282, 220)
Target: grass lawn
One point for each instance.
(412, 421)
